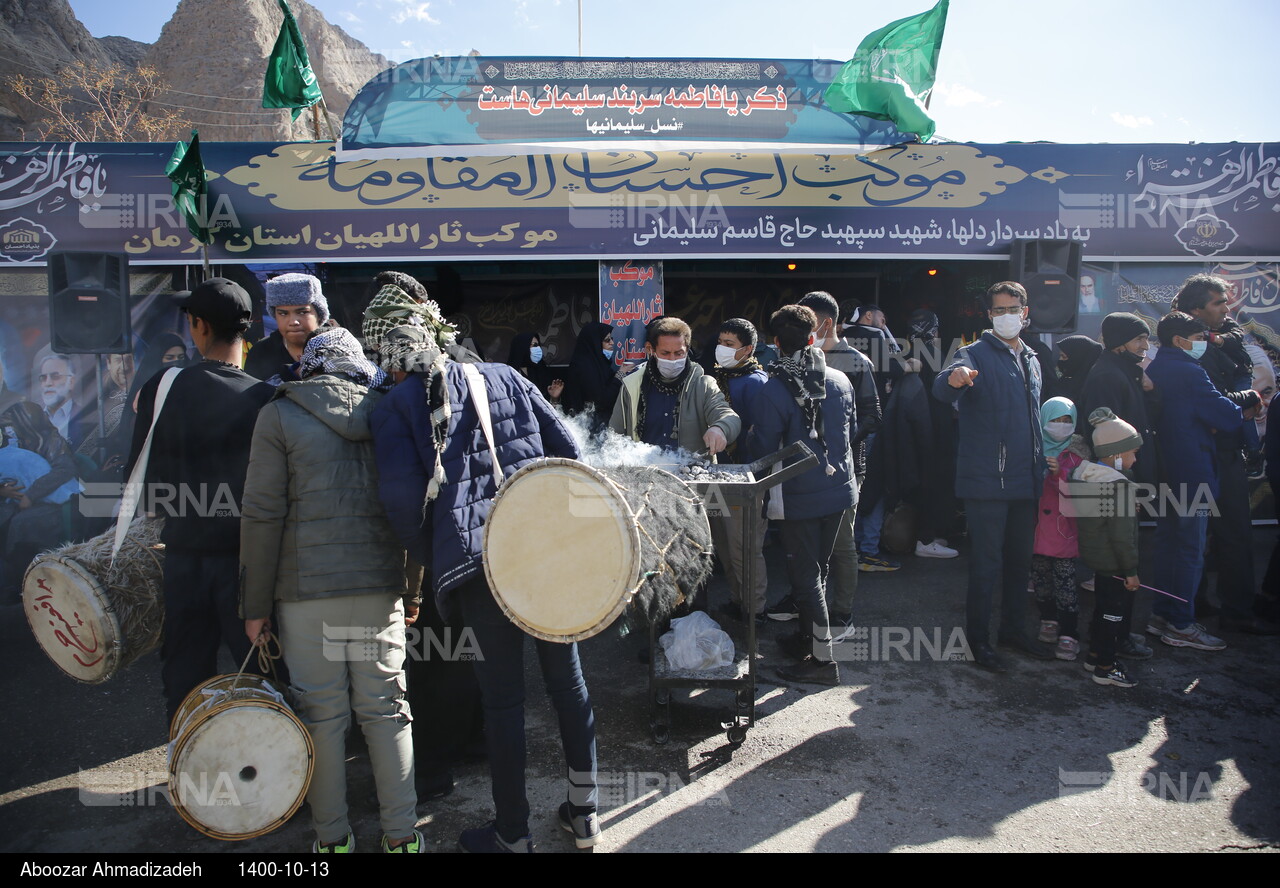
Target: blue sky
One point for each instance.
(1010, 70)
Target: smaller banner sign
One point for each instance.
(630, 297)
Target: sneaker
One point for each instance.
(1113, 675)
(585, 827)
(1133, 648)
(842, 627)
(485, 840)
(1156, 625)
(1048, 631)
(811, 671)
(346, 846)
(784, 610)
(1087, 585)
(1067, 648)
(413, 846)
(1194, 636)
(934, 550)
(871, 563)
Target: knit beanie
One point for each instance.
(1121, 326)
(1112, 435)
(297, 289)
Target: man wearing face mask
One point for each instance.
(1230, 369)
(669, 402)
(1118, 382)
(740, 378)
(1188, 426)
(1000, 468)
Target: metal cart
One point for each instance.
(731, 485)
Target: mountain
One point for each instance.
(212, 54)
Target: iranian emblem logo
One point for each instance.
(1206, 235)
(25, 241)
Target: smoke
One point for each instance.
(608, 448)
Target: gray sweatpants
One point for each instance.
(346, 655)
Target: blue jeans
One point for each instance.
(1179, 563)
(1002, 535)
(500, 673)
(867, 527)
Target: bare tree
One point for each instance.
(93, 103)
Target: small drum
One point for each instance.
(93, 617)
(240, 761)
(567, 547)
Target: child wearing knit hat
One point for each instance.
(1107, 524)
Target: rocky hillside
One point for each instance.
(212, 53)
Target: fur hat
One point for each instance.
(297, 289)
(1112, 435)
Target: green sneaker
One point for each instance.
(413, 846)
(346, 846)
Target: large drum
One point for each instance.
(94, 617)
(240, 761)
(568, 547)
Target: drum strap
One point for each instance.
(480, 397)
(133, 489)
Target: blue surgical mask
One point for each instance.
(1197, 349)
(535, 354)
(608, 353)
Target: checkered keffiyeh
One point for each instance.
(393, 307)
(338, 352)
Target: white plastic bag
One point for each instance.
(697, 643)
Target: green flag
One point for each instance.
(290, 82)
(891, 75)
(190, 192)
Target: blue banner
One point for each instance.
(474, 105)
(630, 297)
(296, 202)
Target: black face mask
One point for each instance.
(1062, 369)
(1131, 357)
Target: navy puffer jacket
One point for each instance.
(450, 535)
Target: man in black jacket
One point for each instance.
(1118, 382)
(195, 481)
(1230, 368)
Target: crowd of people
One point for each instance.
(363, 470)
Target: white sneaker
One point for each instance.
(934, 550)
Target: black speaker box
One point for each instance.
(1050, 270)
(89, 303)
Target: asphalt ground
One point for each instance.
(913, 751)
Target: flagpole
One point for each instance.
(208, 272)
(579, 28)
(332, 134)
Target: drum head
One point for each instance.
(71, 618)
(240, 770)
(561, 550)
(210, 693)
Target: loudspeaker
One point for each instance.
(89, 303)
(1050, 270)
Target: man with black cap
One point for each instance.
(195, 480)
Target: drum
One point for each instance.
(93, 617)
(568, 547)
(240, 761)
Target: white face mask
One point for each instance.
(1059, 431)
(671, 369)
(535, 354)
(1118, 463)
(725, 356)
(1007, 326)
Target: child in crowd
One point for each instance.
(1107, 521)
(1053, 564)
